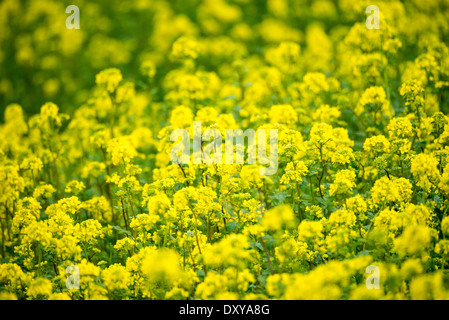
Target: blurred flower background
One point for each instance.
(41, 60)
(85, 171)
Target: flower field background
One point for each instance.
(86, 178)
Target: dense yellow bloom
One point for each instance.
(326, 114)
(429, 286)
(59, 296)
(284, 114)
(425, 171)
(121, 151)
(342, 218)
(376, 145)
(231, 251)
(49, 117)
(75, 187)
(12, 276)
(181, 117)
(89, 231)
(325, 282)
(374, 101)
(276, 218)
(414, 241)
(362, 163)
(356, 204)
(445, 224)
(412, 92)
(8, 296)
(285, 56)
(294, 172)
(344, 182)
(310, 229)
(400, 127)
(109, 79)
(123, 245)
(395, 190)
(161, 265)
(185, 48)
(44, 191)
(40, 287)
(116, 277)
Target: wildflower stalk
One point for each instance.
(196, 234)
(183, 243)
(108, 187)
(208, 229)
(130, 202)
(311, 190)
(369, 229)
(3, 239)
(185, 176)
(267, 254)
(299, 201)
(124, 214)
(225, 203)
(261, 239)
(8, 227)
(193, 260)
(385, 63)
(323, 169)
(265, 195)
(224, 220)
(242, 87)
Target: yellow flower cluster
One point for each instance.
(86, 178)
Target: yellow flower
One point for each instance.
(109, 79)
(278, 217)
(344, 182)
(185, 48)
(59, 296)
(283, 114)
(89, 231)
(124, 245)
(445, 225)
(326, 114)
(8, 296)
(181, 117)
(400, 127)
(121, 150)
(310, 230)
(414, 241)
(374, 101)
(425, 171)
(39, 287)
(75, 187)
(285, 56)
(377, 144)
(161, 265)
(230, 251)
(429, 286)
(148, 68)
(395, 190)
(294, 173)
(116, 277)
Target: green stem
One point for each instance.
(267, 254)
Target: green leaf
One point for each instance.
(259, 245)
(278, 198)
(120, 230)
(231, 225)
(200, 273)
(363, 253)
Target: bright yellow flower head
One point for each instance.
(109, 79)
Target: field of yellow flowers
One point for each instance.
(91, 207)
